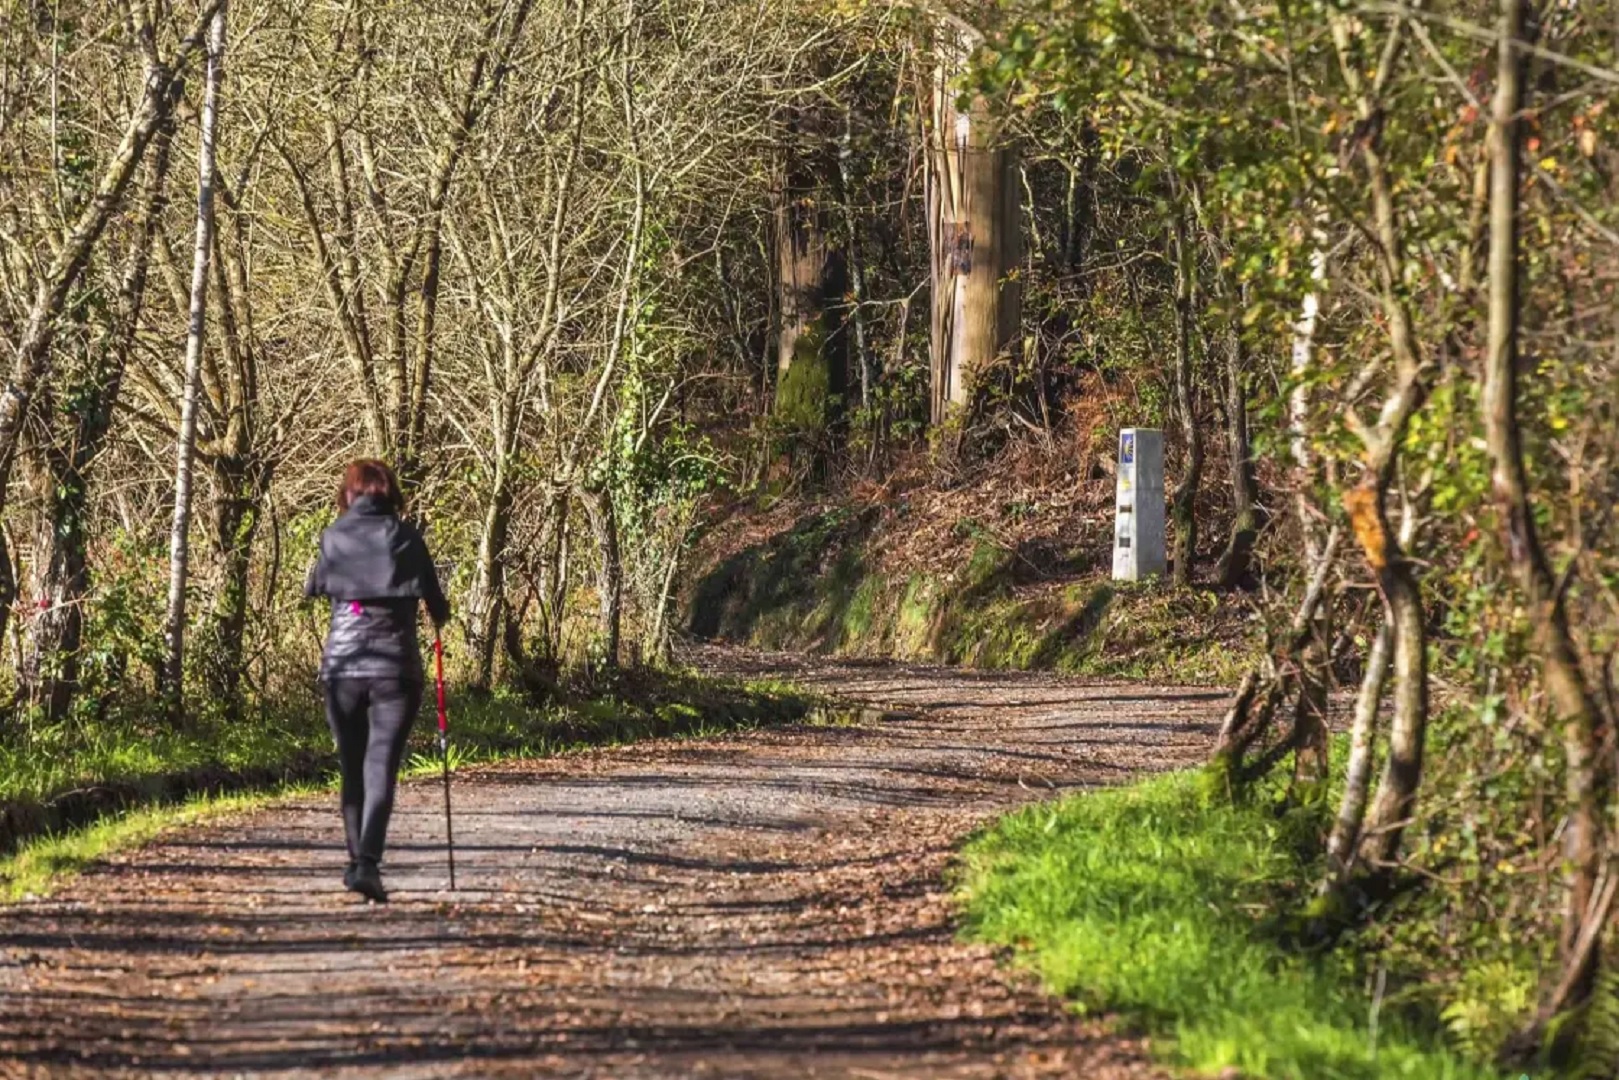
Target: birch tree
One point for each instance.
(197, 324)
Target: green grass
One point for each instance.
(47, 863)
(1160, 905)
(46, 761)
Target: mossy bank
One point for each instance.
(819, 585)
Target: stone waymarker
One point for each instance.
(1138, 526)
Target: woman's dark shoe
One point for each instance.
(368, 882)
(348, 875)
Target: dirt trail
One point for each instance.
(765, 905)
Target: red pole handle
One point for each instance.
(438, 661)
(444, 749)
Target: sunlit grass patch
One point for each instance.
(49, 861)
(1160, 905)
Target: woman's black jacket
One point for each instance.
(375, 569)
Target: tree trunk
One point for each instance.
(536, 661)
(61, 579)
(1396, 797)
(657, 639)
(53, 625)
(1183, 503)
(856, 321)
(1263, 690)
(239, 488)
(240, 467)
(1567, 687)
(1244, 722)
(973, 236)
(162, 89)
(609, 576)
(1310, 736)
(556, 575)
(344, 288)
(1345, 836)
(486, 600)
(414, 430)
(1366, 504)
(8, 589)
(1236, 562)
(179, 550)
(1298, 400)
(1343, 842)
(809, 374)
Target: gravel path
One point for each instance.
(767, 905)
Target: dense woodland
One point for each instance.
(576, 266)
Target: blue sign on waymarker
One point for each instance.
(1127, 448)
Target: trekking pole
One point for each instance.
(444, 750)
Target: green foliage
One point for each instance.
(1157, 902)
(1485, 929)
(431, 762)
(773, 588)
(123, 633)
(1267, 117)
(1487, 1007)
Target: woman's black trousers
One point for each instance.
(370, 719)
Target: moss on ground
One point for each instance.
(812, 587)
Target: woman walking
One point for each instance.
(375, 569)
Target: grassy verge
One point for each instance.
(71, 795)
(1154, 902)
(49, 862)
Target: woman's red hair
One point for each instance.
(368, 476)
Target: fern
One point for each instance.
(1488, 1006)
(425, 763)
(1597, 1057)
